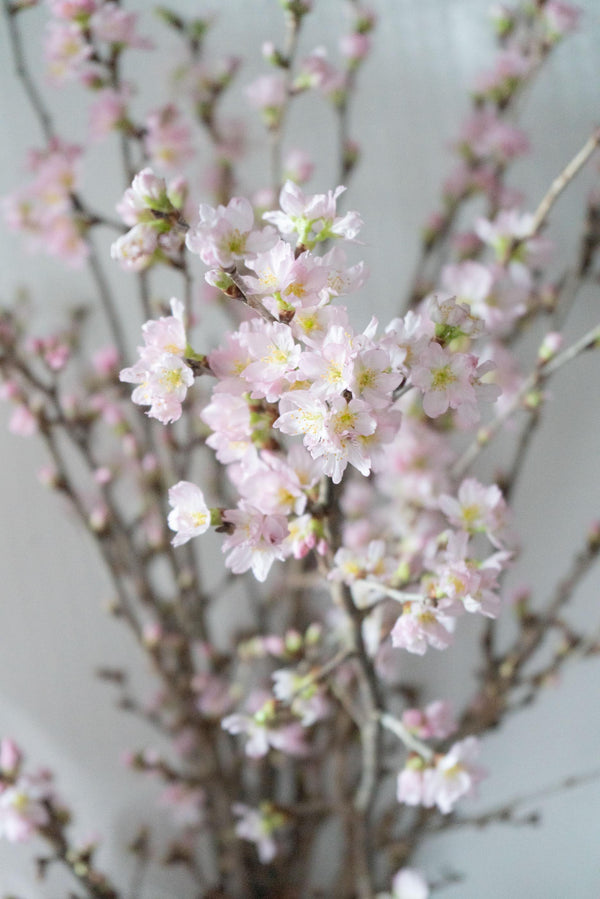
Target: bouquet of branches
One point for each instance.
(337, 466)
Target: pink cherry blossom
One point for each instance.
(229, 418)
(259, 826)
(114, 25)
(435, 721)
(10, 757)
(135, 251)
(408, 883)
(21, 809)
(477, 509)
(66, 49)
(168, 138)
(446, 379)
(268, 94)
(226, 234)
(454, 776)
(313, 218)
(297, 166)
(190, 516)
(256, 542)
(108, 111)
(422, 625)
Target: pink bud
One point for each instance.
(10, 757)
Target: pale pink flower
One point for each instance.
(148, 192)
(163, 382)
(22, 810)
(312, 324)
(72, 9)
(226, 234)
(410, 784)
(214, 695)
(303, 536)
(315, 71)
(342, 279)
(330, 367)
(166, 334)
(263, 733)
(108, 111)
(452, 319)
(422, 625)
(105, 360)
(515, 247)
(560, 18)
(270, 485)
(301, 412)
(268, 92)
(408, 883)
(454, 776)
(306, 699)
(257, 540)
(259, 826)
(435, 721)
(297, 166)
(23, 422)
(406, 338)
(276, 354)
(372, 379)
(506, 374)
(114, 25)
(445, 378)
(190, 515)
(355, 47)
(484, 134)
(168, 138)
(185, 804)
(10, 757)
(136, 250)
(472, 284)
(228, 416)
(510, 68)
(477, 509)
(313, 218)
(351, 564)
(64, 240)
(346, 424)
(66, 50)
(292, 280)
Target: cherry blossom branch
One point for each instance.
(107, 300)
(45, 120)
(434, 245)
(293, 23)
(11, 12)
(503, 674)
(411, 742)
(505, 814)
(535, 381)
(241, 293)
(79, 863)
(562, 181)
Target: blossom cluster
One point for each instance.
(23, 796)
(45, 210)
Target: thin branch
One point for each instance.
(23, 73)
(107, 301)
(559, 183)
(505, 812)
(411, 742)
(535, 380)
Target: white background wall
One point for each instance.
(53, 630)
